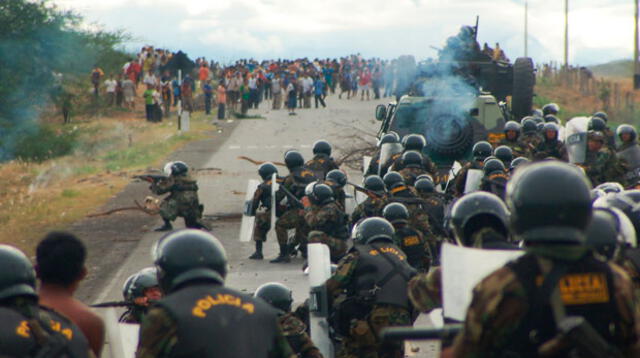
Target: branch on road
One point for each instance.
(260, 162)
(150, 207)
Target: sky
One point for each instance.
(225, 30)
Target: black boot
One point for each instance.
(258, 254)
(283, 256)
(166, 227)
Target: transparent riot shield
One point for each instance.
(576, 139)
(319, 272)
(248, 220)
(474, 178)
(387, 151)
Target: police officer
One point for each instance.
(629, 153)
(610, 233)
(322, 162)
(600, 164)
(280, 297)
(412, 166)
(375, 275)
(627, 135)
(199, 316)
(504, 153)
(600, 125)
(327, 222)
(517, 162)
(495, 177)
(550, 108)
(374, 165)
(399, 192)
(530, 139)
(551, 146)
(516, 311)
(375, 201)
(292, 217)
(511, 134)
(410, 240)
(261, 207)
(480, 151)
(182, 200)
(434, 206)
(337, 179)
(140, 290)
(412, 143)
(27, 329)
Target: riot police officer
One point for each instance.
(600, 164)
(199, 316)
(511, 134)
(629, 153)
(280, 297)
(480, 151)
(530, 139)
(517, 310)
(337, 180)
(495, 178)
(375, 201)
(551, 146)
(412, 166)
(600, 125)
(261, 207)
(30, 330)
(412, 143)
(504, 153)
(182, 200)
(374, 274)
(327, 222)
(550, 108)
(140, 291)
(322, 162)
(374, 165)
(410, 240)
(399, 192)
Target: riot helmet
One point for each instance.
(611, 187)
(396, 213)
(597, 124)
(322, 147)
(601, 115)
(512, 126)
(414, 142)
(167, 169)
(293, 159)
(424, 186)
(276, 294)
(337, 176)
(529, 125)
(475, 211)
(266, 171)
(628, 202)
(320, 194)
(140, 282)
(550, 127)
(393, 180)
(601, 233)
(504, 153)
(391, 137)
(481, 150)
(375, 184)
(628, 130)
(550, 118)
(189, 255)
(550, 108)
(424, 176)
(493, 165)
(179, 168)
(595, 136)
(412, 159)
(517, 162)
(18, 277)
(374, 229)
(536, 112)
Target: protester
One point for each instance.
(318, 91)
(221, 99)
(110, 86)
(207, 89)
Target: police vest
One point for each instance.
(214, 321)
(412, 244)
(381, 274)
(17, 337)
(586, 289)
(321, 164)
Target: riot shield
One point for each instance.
(631, 156)
(474, 177)
(458, 280)
(248, 220)
(319, 272)
(387, 151)
(274, 188)
(366, 162)
(576, 139)
(123, 337)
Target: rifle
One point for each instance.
(113, 304)
(370, 193)
(420, 333)
(297, 203)
(151, 178)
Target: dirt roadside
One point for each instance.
(110, 239)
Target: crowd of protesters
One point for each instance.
(245, 84)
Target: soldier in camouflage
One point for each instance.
(375, 298)
(530, 139)
(182, 200)
(399, 192)
(373, 205)
(322, 162)
(551, 147)
(480, 151)
(413, 143)
(327, 222)
(412, 166)
(601, 165)
(629, 154)
(337, 180)
(411, 241)
(511, 133)
(140, 290)
(261, 207)
(374, 164)
(280, 297)
(516, 310)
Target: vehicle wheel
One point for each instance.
(448, 135)
(524, 80)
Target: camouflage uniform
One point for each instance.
(296, 333)
(516, 147)
(362, 341)
(427, 164)
(292, 218)
(530, 142)
(602, 167)
(262, 200)
(495, 183)
(418, 218)
(410, 174)
(338, 193)
(321, 164)
(372, 206)
(182, 200)
(134, 314)
(159, 336)
(553, 149)
(629, 260)
(414, 245)
(501, 306)
(328, 225)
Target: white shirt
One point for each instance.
(150, 80)
(307, 84)
(110, 85)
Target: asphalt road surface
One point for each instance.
(342, 123)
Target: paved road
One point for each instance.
(342, 123)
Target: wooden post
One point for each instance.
(566, 33)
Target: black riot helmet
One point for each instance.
(550, 118)
(481, 150)
(393, 180)
(391, 137)
(322, 147)
(626, 128)
(550, 126)
(412, 159)
(144, 279)
(536, 112)
(601, 233)
(189, 255)
(595, 135)
(414, 142)
(493, 165)
(338, 177)
(529, 125)
(293, 159)
(550, 108)
(276, 294)
(396, 213)
(374, 183)
(424, 186)
(512, 126)
(550, 202)
(17, 278)
(504, 153)
(601, 115)
(628, 202)
(319, 194)
(475, 211)
(597, 124)
(374, 229)
(179, 168)
(266, 170)
(610, 187)
(517, 162)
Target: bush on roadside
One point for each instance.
(46, 143)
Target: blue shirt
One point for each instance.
(318, 87)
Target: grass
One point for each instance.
(38, 197)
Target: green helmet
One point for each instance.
(18, 277)
(276, 294)
(550, 201)
(144, 279)
(187, 255)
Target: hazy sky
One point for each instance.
(600, 30)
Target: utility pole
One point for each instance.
(636, 54)
(566, 33)
(526, 28)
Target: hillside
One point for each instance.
(618, 68)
